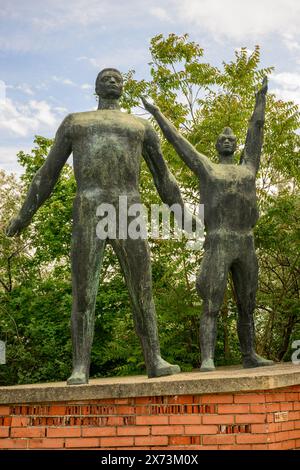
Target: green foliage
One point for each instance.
(35, 278)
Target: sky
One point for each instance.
(51, 52)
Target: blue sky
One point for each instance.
(51, 51)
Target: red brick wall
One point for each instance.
(260, 420)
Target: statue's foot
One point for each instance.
(207, 365)
(78, 377)
(162, 368)
(254, 360)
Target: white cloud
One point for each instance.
(86, 86)
(8, 157)
(64, 81)
(238, 19)
(21, 120)
(160, 13)
(288, 86)
(290, 42)
(23, 87)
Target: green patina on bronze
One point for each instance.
(107, 147)
(228, 192)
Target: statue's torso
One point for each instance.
(107, 148)
(229, 198)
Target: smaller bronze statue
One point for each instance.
(228, 193)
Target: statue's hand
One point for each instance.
(151, 108)
(264, 87)
(15, 227)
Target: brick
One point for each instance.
(4, 410)
(179, 440)
(287, 406)
(294, 434)
(292, 396)
(297, 444)
(28, 432)
(218, 439)
(200, 447)
(185, 419)
(233, 409)
(288, 426)
(250, 418)
(272, 407)
(275, 397)
(134, 430)
(292, 388)
(13, 443)
(6, 420)
(123, 401)
(282, 436)
(259, 447)
(274, 446)
(251, 438)
(18, 421)
(249, 398)
(143, 401)
(126, 410)
(154, 420)
(166, 430)
(258, 408)
(207, 399)
(200, 430)
(294, 415)
(219, 419)
(63, 432)
(116, 441)
(98, 431)
(297, 406)
(57, 410)
(259, 428)
(288, 445)
(82, 442)
(46, 443)
(235, 447)
(181, 399)
(296, 424)
(4, 432)
(142, 410)
(151, 441)
(274, 427)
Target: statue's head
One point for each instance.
(109, 84)
(226, 143)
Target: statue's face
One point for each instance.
(226, 145)
(109, 85)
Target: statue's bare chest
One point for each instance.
(106, 126)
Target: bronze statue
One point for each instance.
(107, 145)
(228, 193)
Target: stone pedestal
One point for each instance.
(230, 408)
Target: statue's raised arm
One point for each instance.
(44, 180)
(255, 135)
(198, 163)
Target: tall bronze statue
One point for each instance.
(107, 145)
(228, 192)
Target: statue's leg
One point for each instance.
(134, 258)
(87, 254)
(211, 285)
(245, 279)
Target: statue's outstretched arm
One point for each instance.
(164, 181)
(44, 180)
(198, 163)
(255, 135)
